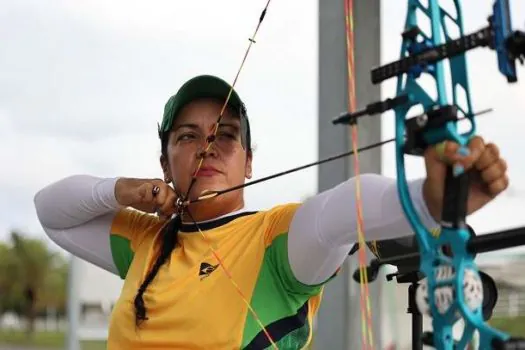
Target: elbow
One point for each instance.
(47, 202)
(42, 203)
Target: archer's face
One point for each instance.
(226, 164)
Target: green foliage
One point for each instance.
(32, 278)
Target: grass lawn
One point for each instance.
(44, 340)
(56, 340)
(514, 326)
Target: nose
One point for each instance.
(208, 149)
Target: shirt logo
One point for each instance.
(206, 269)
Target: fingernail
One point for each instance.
(464, 151)
(458, 169)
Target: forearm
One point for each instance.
(325, 227)
(77, 213)
(75, 200)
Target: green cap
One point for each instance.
(204, 86)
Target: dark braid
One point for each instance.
(169, 241)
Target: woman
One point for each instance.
(217, 276)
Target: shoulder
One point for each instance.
(276, 221)
(281, 214)
(270, 222)
(135, 226)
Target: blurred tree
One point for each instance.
(4, 272)
(34, 264)
(33, 279)
(9, 288)
(54, 290)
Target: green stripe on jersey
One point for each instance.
(122, 254)
(278, 295)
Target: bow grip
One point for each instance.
(455, 197)
(430, 128)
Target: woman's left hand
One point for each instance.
(488, 173)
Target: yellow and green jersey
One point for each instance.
(192, 303)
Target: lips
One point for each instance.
(207, 171)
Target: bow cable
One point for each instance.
(366, 314)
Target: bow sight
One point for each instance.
(422, 55)
(445, 260)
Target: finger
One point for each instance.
(160, 200)
(476, 147)
(498, 186)
(442, 149)
(156, 190)
(449, 152)
(463, 158)
(494, 172)
(145, 193)
(161, 193)
(167, 208)
(468, 155)
(489, 156)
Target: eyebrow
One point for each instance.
(230, 125)
(195, 126)
(186, 125)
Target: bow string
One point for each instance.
(183, 203)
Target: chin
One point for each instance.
(205, 185)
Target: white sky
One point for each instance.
(83, 84)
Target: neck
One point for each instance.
(211, 210)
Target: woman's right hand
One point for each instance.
(147, 195)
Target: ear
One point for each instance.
(248, 167)
(165, 169)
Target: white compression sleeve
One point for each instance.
(324, 228)
(76, 213)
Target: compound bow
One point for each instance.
(452, 289)
(425, 55)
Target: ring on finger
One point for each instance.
(155, 190)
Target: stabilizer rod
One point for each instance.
(477, 244)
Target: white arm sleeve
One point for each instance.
(76, 213)
(324, 228)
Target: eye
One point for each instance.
(228, 135)
(186, 136)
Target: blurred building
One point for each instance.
(98, 292)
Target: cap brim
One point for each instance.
(203, 86)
